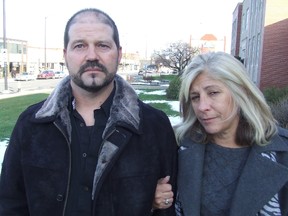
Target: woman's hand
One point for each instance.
(163, 194)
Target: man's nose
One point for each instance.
(92, 54)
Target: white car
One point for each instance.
(59, 74)
(25, 76)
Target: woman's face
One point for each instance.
(213, 105)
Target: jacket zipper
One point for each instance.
(94, 186)
(69, 171)
(104, 140)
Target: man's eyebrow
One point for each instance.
(78, 41)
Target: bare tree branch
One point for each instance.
(176, 56)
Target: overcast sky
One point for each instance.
(143, 24)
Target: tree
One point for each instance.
(176, 56)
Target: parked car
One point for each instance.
(25, 76)
(59, 74)
(141, 71)
(47, 74)
(150, 69)
(155, 83)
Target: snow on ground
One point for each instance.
(3, 145)
(173, 119)
(174, 104)
(156, 92)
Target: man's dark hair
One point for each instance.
(102, 16)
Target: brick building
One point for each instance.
(263, 40)
(236, 30)
(274, 67)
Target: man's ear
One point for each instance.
(119, 54)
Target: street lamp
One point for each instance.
(45, 61)
(5, 48)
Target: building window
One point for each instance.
(243, 23)
(247, 19)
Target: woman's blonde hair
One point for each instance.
(256, 124)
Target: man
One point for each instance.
(92, 148)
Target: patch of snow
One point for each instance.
(173, 119)
(138, 91)
(173, 104)
(3, 146)
(158, 92)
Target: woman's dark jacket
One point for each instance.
(260, 179)
(139, 147)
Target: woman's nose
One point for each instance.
(204, 104)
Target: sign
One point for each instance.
(4, 56)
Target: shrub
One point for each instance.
(280, 112)
(149, 78)
(275, 95)
(172, 92)
(169, 77)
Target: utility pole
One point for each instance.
(45, 48)
(4, 49)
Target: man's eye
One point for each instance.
(105, 46)
(79, 46)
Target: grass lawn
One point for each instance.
(11, 108)
(165, 107)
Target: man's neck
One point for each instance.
(86, 102)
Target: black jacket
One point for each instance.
(139, 147)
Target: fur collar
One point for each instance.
(124, 110)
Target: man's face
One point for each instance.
(91, 56)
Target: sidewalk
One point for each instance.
(10, 94)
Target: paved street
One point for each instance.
(13, 85)
(17, 88)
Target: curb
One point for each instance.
(6, 94)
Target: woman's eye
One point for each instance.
(194, 98)
(213, 93)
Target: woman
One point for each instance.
(233, 159)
